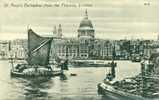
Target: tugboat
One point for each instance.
(118, 89)
(37, 63)
(144, 86)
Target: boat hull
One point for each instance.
(84, 64)
(108, 92)
(35, 74)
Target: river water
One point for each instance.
(80, 87)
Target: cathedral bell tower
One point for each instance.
(60, 31)
(57, 32)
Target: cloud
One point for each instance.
(108, 16)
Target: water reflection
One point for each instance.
(34, 88)
(63, 77)
(83, 86)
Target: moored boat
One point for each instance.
(81, 63)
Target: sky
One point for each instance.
(112, 19)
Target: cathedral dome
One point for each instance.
(86, 28)
(86, 24)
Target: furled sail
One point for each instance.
(38, 49)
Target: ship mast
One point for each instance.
(12, 63)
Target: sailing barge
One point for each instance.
(37, 63)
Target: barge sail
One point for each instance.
(38, 49)
(38, 58)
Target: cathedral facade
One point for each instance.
(85, 46)
(80, 47)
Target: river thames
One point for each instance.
(80, 87)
